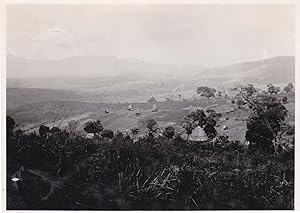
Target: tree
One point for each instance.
(10, 142)
(206, 91)
(134, 131)
(19, 133)
(55, 130)
(265, 121)
(249, 90)
(219, 94)
(198, 117)
(288, 88)
(273, 90)
(94, 127)
(43, 130)
(242, 92)
(152, 126)
(169, 99)
(240, 102)
(209, 128)
(151, 100)
(169, 132)
(107, 133)
(284, 100)
(10, 125)
(212, 113)
(188, 124)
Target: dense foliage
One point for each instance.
(264, 122)
(289, 88)
(206, 91)
(94, 127)
(273, 90)
(56, 169)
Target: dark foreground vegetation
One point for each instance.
(56, 169)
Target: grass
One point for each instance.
(31, 116)
(152, 173)
(65, 170)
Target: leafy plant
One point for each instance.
(94, 127)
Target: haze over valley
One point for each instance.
(111, 79)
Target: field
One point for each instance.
(68, 168)
(67, 114)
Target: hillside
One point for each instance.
(66, 113)
(256, 72)
(88, 73)
(103, 79)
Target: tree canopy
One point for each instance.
(94, 127)
(206, 91)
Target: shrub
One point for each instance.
(289, 88)
(134, 131)
(94, 127)
(151, 100)
(273, 90)
(10, 125)
(43, 130)
(152, 126)
(209, 128)
(249, 90)
(199, 117)
(167, 174)
(284, 100)
(206, 91)
(169, 132)
(107, 133)
(55, 130)
(264, 122)
(240, 102)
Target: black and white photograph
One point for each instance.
(143, 106)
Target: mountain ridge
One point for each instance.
(97, 72)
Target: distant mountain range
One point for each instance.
(85, 66)
(276, 70)
(111, 79)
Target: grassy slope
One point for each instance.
(59, 113)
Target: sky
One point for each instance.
(206, 35)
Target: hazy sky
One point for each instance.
(208, 35)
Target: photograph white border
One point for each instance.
(129, 2)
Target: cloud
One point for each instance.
(201, 34)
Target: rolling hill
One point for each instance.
(111, 79)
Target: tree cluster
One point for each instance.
(206, 91)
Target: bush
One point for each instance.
(289, 88)
(43, 130)
(55, 130)
(169, 132)
(209, 128)
(284, 100)
(264, 122)
(134, 131)
(166, 174)
(206, 91)
(94, 127)
(273, 90)
(152, 126)
(107, 133)
(249, 90)
(10, 125)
